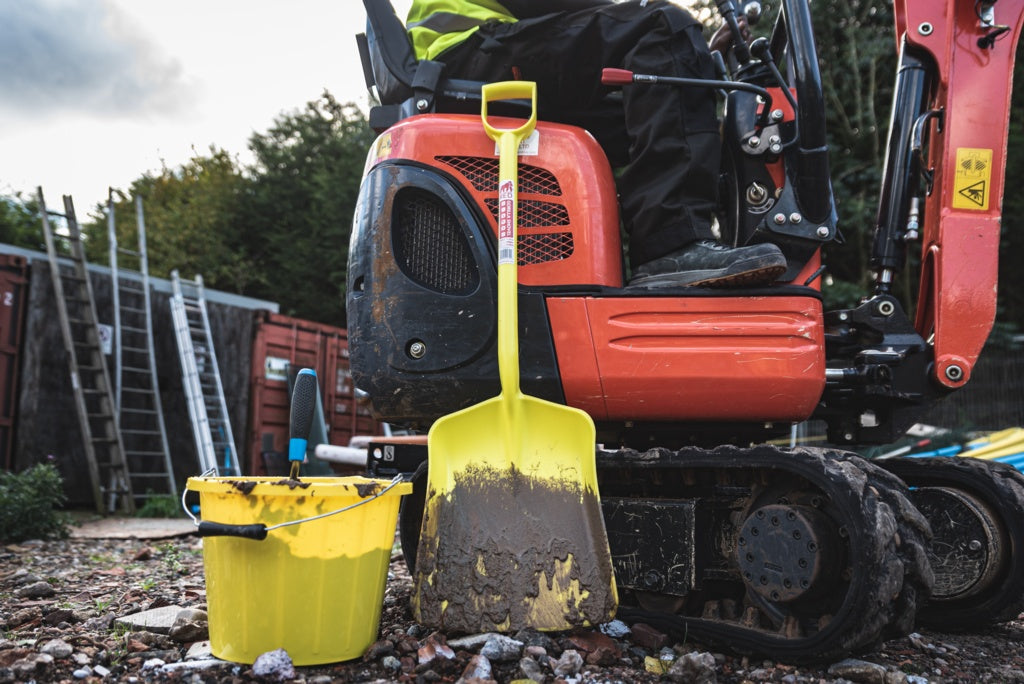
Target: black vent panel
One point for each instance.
(430, 245)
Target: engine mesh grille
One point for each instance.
(430, 246)
(541, 247)
(533, 214)
(482, 173)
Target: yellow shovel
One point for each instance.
(512, 533)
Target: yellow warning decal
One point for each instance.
(972, 185)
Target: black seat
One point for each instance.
(405, 85)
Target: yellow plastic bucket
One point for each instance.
(313, 586)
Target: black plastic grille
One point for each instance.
(482, 174)
(541, 247)
(430, 246)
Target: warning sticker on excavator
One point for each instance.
(972, 185)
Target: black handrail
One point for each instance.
(813, 185)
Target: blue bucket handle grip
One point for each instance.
(303, 406)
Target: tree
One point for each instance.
(857, 59)
(276, 230)
(1011, 245)
(194, 222)
(299, 214)
(20, 224)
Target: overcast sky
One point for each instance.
(93, 93)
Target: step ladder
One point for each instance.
(94, 399)
(136, 389)
(204, 391)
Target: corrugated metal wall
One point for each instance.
(47, 420)
(281, 347)
(13, 295)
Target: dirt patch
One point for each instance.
(505, 550)
(95, 581)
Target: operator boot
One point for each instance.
(706, 262)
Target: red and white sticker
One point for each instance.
(506, 217)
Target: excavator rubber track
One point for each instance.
(976, 511)
(803, 553)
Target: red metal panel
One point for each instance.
(691, 358)
(13, 286)
(281, 346)
(568, 215)
(960, 231)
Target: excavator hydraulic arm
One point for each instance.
(966, 49)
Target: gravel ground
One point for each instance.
(63, 605)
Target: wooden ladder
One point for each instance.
(94, 400)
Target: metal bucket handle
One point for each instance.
(258, 531)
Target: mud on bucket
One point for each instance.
(278, 576)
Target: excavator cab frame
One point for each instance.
(800, 552)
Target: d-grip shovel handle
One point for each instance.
(257, 531)
(508, 140)
(509, 90)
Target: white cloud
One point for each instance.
(85, 57)
(106, 90)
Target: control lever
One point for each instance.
(727, 8)
(619, 77)
(761, 51)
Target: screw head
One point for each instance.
(422, 105)
(779, 219)
(777, 115)
(795, 218)
(417, 350)
(753, 141)
(822, 232)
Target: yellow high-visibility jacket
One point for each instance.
(436, 25)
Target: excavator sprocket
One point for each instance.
(976, 511)
(803, 553)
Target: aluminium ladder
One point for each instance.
(136, 389)
(204, 392)
(94, 400)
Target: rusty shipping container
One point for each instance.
(281, 347)
(13, 285)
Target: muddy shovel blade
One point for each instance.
(512, 533)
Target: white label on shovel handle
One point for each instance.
(506, 230)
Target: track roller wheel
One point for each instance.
(976, 509)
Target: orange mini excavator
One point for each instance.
(798, 552)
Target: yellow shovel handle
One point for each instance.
(510, 90)
(508, 140)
